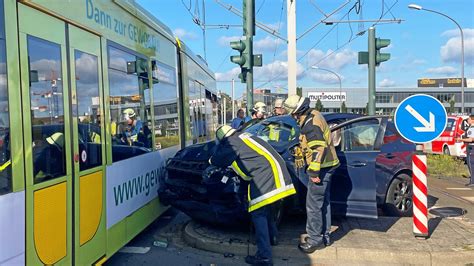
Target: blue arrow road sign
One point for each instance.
(420, 118)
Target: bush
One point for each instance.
(446, 166)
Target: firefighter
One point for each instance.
(469, 140)
(255, 161)
(133, 128)
(317, 154)
(278, 107)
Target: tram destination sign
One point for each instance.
(440, 83)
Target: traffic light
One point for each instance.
(243, 60)
(379, 44)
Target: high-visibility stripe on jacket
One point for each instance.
(316, 143)
(256, 161)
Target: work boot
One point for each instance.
(327, 240)
(256, 260)
(310, 248)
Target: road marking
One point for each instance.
(135, 250)
(459, 188)
(471, 199)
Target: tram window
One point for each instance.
(128, 82)
(47, 110)
(5, 160)
(165, 106)
(88, 110)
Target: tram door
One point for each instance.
(64, 151)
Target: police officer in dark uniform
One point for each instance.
(469, 140)
(317, 154)
(256, 161)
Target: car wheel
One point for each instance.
(399, 198)
(446, 150)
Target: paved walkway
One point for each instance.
(386, 240)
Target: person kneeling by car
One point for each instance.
(317, 152)
(256, 161)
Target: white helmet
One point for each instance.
(259, 107)
(296, 104)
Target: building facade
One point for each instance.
(387, 99)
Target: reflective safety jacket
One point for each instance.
(316, 143)
(256, 161)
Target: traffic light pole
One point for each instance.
(372, 56)
(249, 32)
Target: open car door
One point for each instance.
(353, 188)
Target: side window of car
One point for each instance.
(359, 136)
(390, 134)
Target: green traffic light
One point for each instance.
(238, 45)
(381, 43)
(237, 59)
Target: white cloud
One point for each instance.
(267, 44)
(443, 70)
(387, 83)
(330, 60)
(225, 40)
(451, 50)
(183, 34)
(323, 77)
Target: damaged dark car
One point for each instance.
(374, 175)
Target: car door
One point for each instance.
(353, 189)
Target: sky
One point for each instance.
(423, 44)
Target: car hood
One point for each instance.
(197, 152)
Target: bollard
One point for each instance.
(420, 196)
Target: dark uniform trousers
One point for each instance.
(470, 161)
(318, 207)
(265, 228)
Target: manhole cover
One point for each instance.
(448, 211)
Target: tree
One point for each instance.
(299, 91)
(319, 106)
(451, 108)
(343, 107)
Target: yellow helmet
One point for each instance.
(129, 112)
(224, 131)
(56, 139)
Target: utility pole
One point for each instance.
(373, 58)
(371, 110)
(291, 29)
(233, 100)
(249, 32)
(247, 60)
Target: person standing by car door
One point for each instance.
(316, 151)
(256, 161)
(469, 140)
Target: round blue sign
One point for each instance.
(420, 118)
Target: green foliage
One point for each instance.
(446, 166)
(319, 106)
(343, 107)
(299, 91)
(451, 108)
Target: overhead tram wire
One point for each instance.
(260, 7)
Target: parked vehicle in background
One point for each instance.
(446, 143)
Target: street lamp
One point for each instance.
(340, 82)
(418, 7)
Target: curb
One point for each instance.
(332, 253)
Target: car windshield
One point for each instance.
(449, 124)
(276, 133)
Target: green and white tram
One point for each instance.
(95, 95)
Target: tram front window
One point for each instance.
(128, 77)
(5, 160)
(88, 105)
(47, 110)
